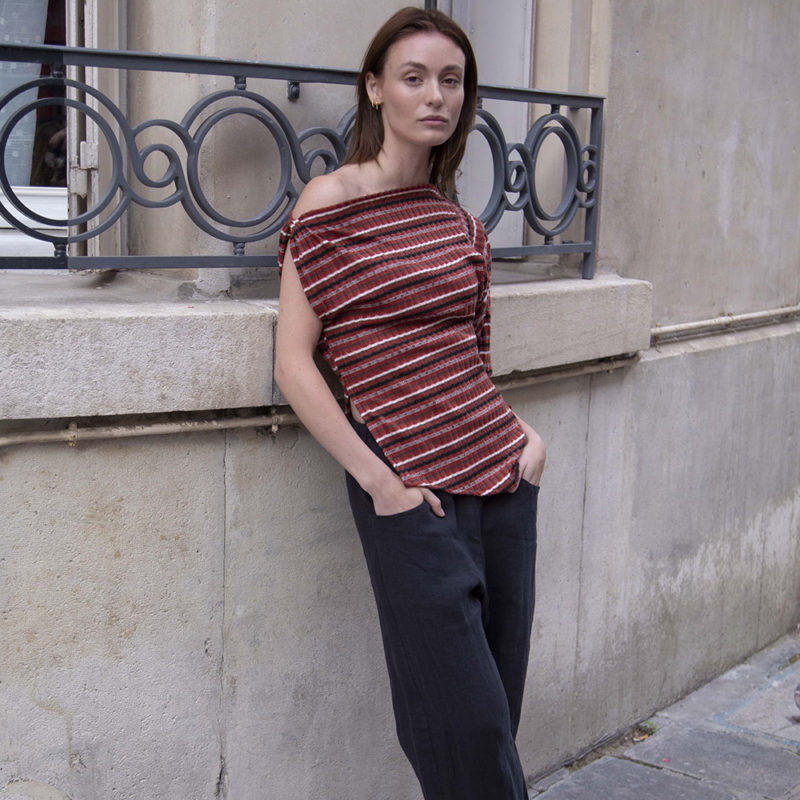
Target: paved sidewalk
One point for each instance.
(736, 738)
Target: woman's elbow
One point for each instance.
(281, 372)
(290, 368)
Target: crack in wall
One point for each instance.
(221, 790)
(576, 662)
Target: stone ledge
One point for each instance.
(135, 359)
(111, 358)
(554, 322)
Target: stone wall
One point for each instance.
(701, 155)
(182, 607)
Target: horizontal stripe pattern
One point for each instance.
(400, 282)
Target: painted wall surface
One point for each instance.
(201, 600)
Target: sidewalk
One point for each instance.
(736, 738)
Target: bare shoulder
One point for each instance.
(325, 190)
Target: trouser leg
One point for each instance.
(508, 528)
(451, 705)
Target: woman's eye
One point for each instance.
(453, 82)
(412, 79)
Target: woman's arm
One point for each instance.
(304, 387)
(532, 458)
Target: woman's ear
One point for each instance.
(373, 92)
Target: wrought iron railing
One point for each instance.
(513, 183)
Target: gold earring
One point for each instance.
(376, 105)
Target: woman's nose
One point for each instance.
(434, 93)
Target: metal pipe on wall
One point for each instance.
(283, 416)
(724, 324)
(278, 417)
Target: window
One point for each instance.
(36, 155)
(37, 152)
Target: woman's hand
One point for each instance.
(532, 458)
(394, 497)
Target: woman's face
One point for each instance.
(421, 90)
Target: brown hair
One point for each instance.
(367, 137)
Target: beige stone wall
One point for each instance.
(111, 564)
(188, 612)
(701, 154)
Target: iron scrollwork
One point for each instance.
(514, 173)
(192, 131)
(300, 155)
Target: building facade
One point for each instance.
(185, 611)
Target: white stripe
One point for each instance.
(380, 266)
(427, 301)
(424, 389)
(491, 489)
(449, 443)
(405, 364)
(475, 464)
(505, 416)
(405, 334)
(372, 256)
(365, 231)
(429, 420)
(401, 278)
(446, 395)
(393, 223)
(369, 199)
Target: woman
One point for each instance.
(390, 279)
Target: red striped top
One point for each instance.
(400, 282)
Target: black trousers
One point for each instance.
(455, 601)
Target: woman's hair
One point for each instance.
(367, 136)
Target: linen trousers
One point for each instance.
(455, 599)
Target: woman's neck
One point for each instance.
(396, 169)
(387, 171)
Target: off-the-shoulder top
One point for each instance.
(400, 282)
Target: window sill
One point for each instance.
(550, 323)
(101, 350)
